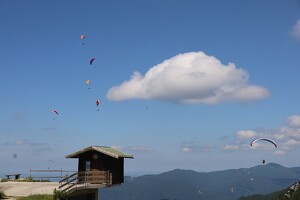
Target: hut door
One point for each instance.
(87, 165)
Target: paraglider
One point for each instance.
(50, 161)
(264, 139)
(88, 83)
(92, 60)
(55, 112)
(82, 37)
(97, 103)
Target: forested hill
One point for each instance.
(219, 185)
(291, 193)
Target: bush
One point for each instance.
(37, 197)
(2, 195)
(60, 195)
(4, 179)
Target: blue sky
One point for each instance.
(182, 84)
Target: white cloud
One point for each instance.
(186, 149)
(296, 30)
(139, 148)
(279, 152)
(231, 147)
(245, 134)
(280, 135)
(21, 142)
(291, 142)
(294, 121)
(191, 78)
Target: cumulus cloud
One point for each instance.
(186, 149)
(245, 134)
(191, 78)
(231, 147)
(296, 30)
(140, 148)
(294, 121)
(36, 146)
(291, 142)
(279, 152)
(193, 147)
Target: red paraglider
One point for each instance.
(97, 103)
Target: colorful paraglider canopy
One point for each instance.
(82, 36)
(264, 139)
(87, 82)
(54, 111)
(98, 102)
(92, 60)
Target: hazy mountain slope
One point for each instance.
(190, 185)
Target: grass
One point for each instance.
(37, 197)
(28, 179)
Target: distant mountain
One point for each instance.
(190, 185)
(291, 193)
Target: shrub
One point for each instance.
(2, 195)
(37, 197)
(60, 195)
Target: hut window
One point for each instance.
(87, 165)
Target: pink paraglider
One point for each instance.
(55, 112)
(82, 37)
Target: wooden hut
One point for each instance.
(100, 165)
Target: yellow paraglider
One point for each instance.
(88, 83)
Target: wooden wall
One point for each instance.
(103, 163)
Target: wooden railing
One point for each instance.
(68, 182)
(85, 179)
(45, 174)
(95, 177)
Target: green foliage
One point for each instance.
(4, 179)
(28, 179)
(60, 195)
(288, 194)
(2, 195)
(37, 197)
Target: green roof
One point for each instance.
(102, 149)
